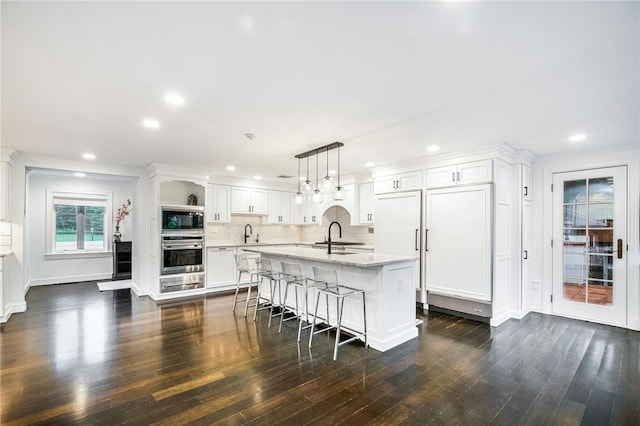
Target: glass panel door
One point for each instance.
(589, 275)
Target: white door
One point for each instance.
(589, 245)
(398, 226)
(459, 244)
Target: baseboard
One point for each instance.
(518, 314)
(137, 290)
(13, 309)
(68, 279)
(634, 324)
(496, 321)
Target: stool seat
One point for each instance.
(339, 292)
(245, 267)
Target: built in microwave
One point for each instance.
(182, 218)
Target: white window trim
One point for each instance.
(50, 228)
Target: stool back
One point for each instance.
(328, 276)
(265, 266)
(291, 269)
(242, 262)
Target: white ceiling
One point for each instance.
(386, 78)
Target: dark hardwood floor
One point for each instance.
(78, 356)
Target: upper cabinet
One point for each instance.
(310, 212)
(460, 174)
(366, 203)
(279, 207)
(249, 201)
(218, 206)
(408, 181)
(5, 175)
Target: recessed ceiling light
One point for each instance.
(577, 138)
(257, 177)
(231, 168)
(150, 123)
(369, 164)
(433, 148)
(88, 156)
(79, 174)
(173, 99)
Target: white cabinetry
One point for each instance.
(5, 189)
(249, 201)
(365, 203)
(310, 211)
(459, 242)
(221, 267)
(279, 207)
(218, 203)
(460, 174)
(526, 237)
(408, 181)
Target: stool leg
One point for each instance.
(235, 297)
(273, 301)
(315, 315)
(259, 280)
(306, 312)
(283, 304)
(341, 305)
(246, 303)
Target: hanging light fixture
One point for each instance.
(327, 183)
(317, 196)
(308, 186)
(338, 194)
(299, 198)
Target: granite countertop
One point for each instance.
(251, 244)
(353, 259)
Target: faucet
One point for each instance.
(329, 239)
(246, 236)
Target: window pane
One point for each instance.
(66, 228)
(575, 191)
(601, 215)
(575, 215)
(93, 227)
(601, 190)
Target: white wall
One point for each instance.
(43, 269)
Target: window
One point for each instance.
(80, 222)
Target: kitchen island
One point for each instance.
(389, 282)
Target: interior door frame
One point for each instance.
(605, 314)
(544, 169)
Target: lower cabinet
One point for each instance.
(221, 267)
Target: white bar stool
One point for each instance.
(340, 292)
(242, 262)
(266, 271)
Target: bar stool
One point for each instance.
(266, 271)
(242, 263)
(293, 277)
(340, 292)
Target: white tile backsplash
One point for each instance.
(233, 233)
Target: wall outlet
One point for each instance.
(370, 230)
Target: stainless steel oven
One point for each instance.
(181, 219)
(182, 254)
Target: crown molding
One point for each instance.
(57, 164)
(7, 155)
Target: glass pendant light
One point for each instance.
(308, 185)
(299, 194)
(327, 183)
(317, 196)
(338, 194)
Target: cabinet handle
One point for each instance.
(619, 248)
(417, 236)
(458, 176)
(526, 254)
(526, 191)
(426, 240)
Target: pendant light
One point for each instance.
(317, 196)
(299, 198)
(308, 186)
(327, 184)
(338, 194)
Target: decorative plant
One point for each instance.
(123, 212)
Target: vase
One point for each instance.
(117, 236)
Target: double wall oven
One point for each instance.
(182, 248)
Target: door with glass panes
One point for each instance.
(590, 245)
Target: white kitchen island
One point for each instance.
(388, 280)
